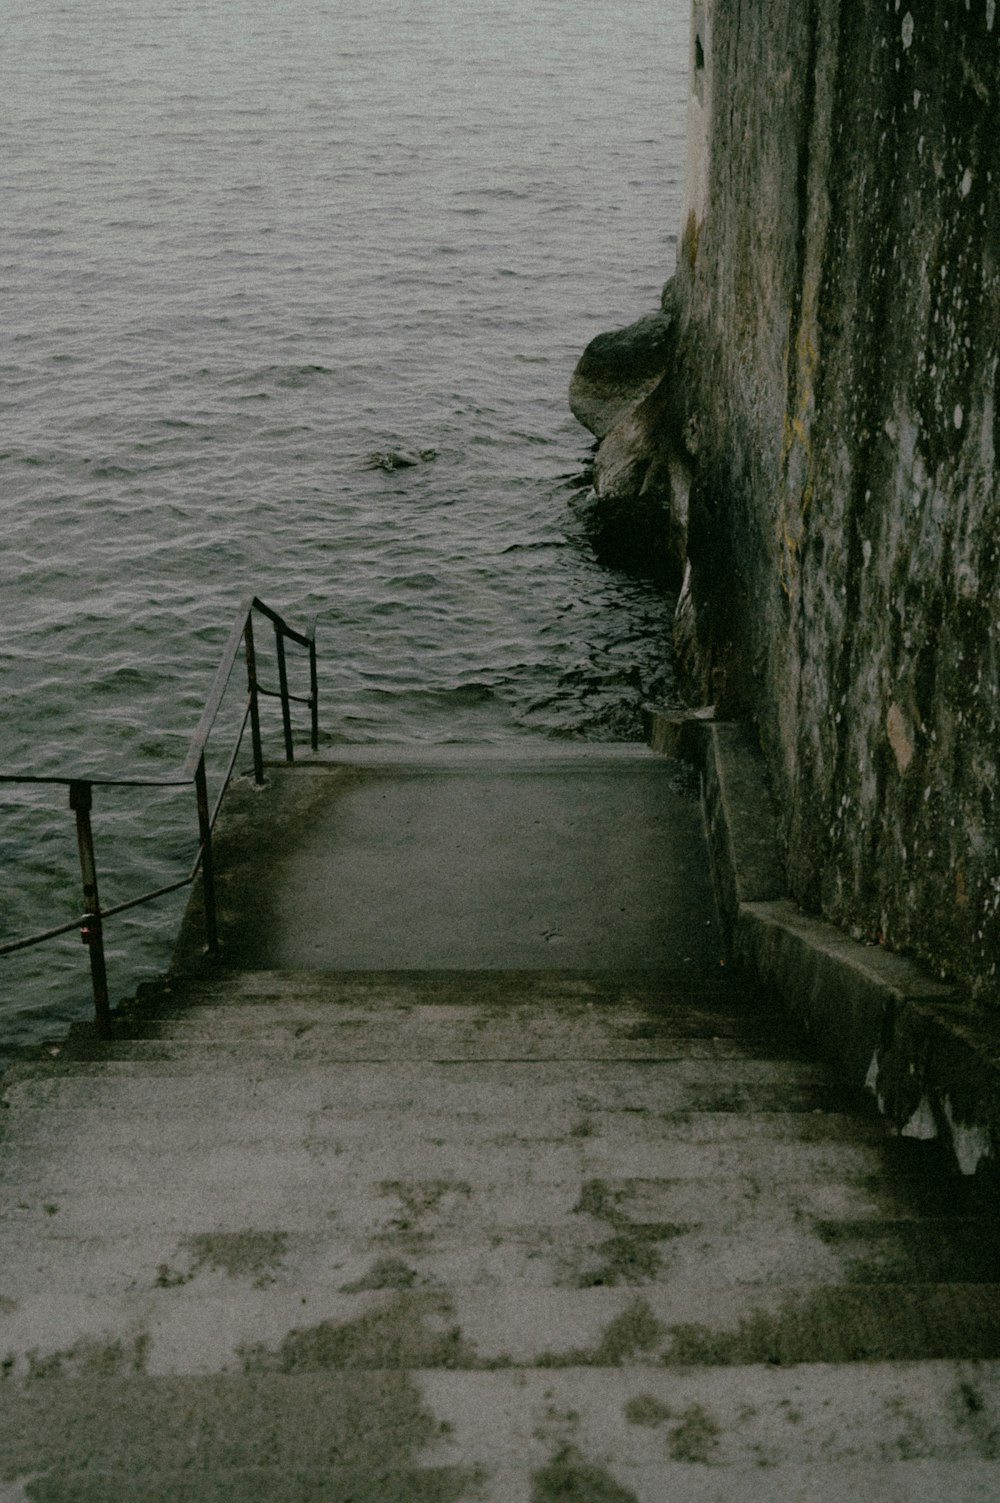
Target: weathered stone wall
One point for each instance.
(837, 306)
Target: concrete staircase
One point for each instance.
(523, 1237)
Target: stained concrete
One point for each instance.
(522, 1236)
(574, 857)
(461, 1235)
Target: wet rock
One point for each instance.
(624, 391)
(618, 369)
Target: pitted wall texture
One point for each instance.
(838, 297)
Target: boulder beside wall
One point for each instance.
(624, 391)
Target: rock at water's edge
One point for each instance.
(623, 391)
(618, 369)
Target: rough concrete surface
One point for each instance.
(524, 1236)
(560, 858)
(515, 1235)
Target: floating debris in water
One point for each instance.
(398, 459)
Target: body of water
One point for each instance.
(244, 247)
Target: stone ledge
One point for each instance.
(927, 1054)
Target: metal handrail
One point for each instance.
(91, 924)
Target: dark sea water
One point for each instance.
(244, 245)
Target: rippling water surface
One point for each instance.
(244, 246)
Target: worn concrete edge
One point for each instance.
(926, 1053)
(526, 751)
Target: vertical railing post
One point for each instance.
(314, 693)
(251, 656)
(92, 928)
(286, 708)
(207, 862)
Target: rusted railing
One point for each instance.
(81, 792)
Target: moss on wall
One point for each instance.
(837, 300)
(841, 319)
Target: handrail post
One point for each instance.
(314, 694)
(251, 657)
(207, 862)
(286, 708)
(92, 929)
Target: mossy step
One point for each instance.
(395, 1210)
(568, 1477)
(597, 1248)
(179, 1330)
(741, 1434)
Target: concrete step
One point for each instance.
(699, 997)
(574, 1252)
(570, 1028)
(714, 1011)
(398, 1212)
(522, 1011)
(178, 1331)
(497, 1086)
(741, 1434)
(107, 1128)
(167, 1087)
(717, 989)
(321, 1161)
(273, 1043)
(901, 1482)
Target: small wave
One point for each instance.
(458, 696)
(295, 376)
(543, 545)
(414, 581)
(500, 194)
(130, 676)
(474, 693)
(285, 377)
(103, 471)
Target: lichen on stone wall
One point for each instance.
(836, 350)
